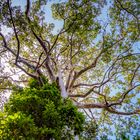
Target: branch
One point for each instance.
(27, 8)
(130, 12)
(87, 114)
(31, 75)
(47, 60)
(19, 58)
(123, 96)
(87, 106)
(10, 78)
(97, 85)
(5, 44)
(36, 36)
(85, 85)
(134, 74)
(69, 78)
(2, 88)
(18, 42)
(38, 61)
(90, 66)
(78, 74)
(113, 111)
(83, 95)
(104, 106)
(55, 41)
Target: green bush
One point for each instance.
(40, 113)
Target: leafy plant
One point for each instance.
(39, 112)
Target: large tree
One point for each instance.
(94, 57)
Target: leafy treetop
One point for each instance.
(39, 112)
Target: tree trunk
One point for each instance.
(64, 93)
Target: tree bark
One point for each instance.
(64, 93)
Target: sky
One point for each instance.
(48, 16)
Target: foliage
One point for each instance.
(40, 113)
(124, 136)
(90, 131)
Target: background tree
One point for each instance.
(94, 61)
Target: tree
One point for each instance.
(39, 112)
(94, 62)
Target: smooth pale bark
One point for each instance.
(76, 137)
(64, 93)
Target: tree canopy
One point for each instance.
(94, 57)
(39, 112)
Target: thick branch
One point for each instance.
(113, 111)
(97, 105)
(27, 8)
(104, 106)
